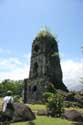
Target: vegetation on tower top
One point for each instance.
(45, 34)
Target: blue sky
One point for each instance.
(21, 20)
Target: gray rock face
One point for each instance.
(45, 66)
(73, 115)
(23, 113)
(74, 99)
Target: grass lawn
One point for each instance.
(35, 107)
(43, 120)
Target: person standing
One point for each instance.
(7, 106)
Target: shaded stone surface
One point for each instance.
(35, 89)
(74, 99)
(42, 112)
(73, 115)
(44, 68)
(23, 113)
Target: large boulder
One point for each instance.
(23, 112)
(73, 115)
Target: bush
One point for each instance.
(16, 98)
(55, 105)
(46, 95)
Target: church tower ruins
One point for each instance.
(45, 68)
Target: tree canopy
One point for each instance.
(15, 86)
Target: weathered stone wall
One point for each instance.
(45, 64)
(35, 90)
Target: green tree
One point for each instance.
(15, 86)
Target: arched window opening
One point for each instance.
(36, 48)
(34, 89)
(35, 69)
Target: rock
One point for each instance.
(69, 97)
(79, 99)
(23, 112)
(42, 112)
(73, 115)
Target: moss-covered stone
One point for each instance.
(45, 66)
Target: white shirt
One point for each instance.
(6, 100)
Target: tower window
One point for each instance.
(34, 89)
(36, 48)
(35, 69)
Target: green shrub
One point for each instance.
(17, 98)
(46, 95)
(55, 105)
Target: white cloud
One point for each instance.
(9, 63)
(14, 68)
(27, 57)
(72, 72)
(16, 74)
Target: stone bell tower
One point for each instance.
(45, 69)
